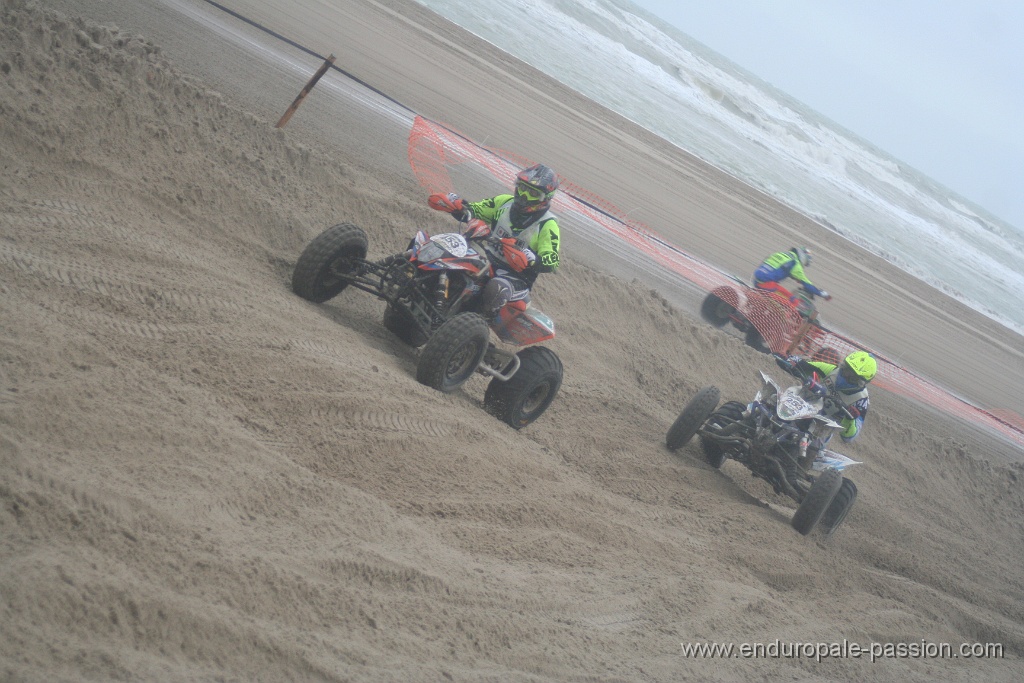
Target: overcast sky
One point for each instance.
(938, 84)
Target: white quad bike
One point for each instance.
(770, 436)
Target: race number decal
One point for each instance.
(451, 242)
(792, 406)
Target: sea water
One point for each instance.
(655, 75)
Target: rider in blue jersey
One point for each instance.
(784, 264)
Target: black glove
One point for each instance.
(786, 364)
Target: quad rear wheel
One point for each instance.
(839, 508)
(453, 352)
(529, 392)
(715, 311)
(824, 489)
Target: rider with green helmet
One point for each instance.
(847, 382)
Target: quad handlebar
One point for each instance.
(813, 385)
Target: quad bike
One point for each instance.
(769, 320)
(432, 292)
(771, 437)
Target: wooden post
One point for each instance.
(798, 338)
(305, 91)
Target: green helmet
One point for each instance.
(858, 368)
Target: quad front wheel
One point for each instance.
(453, 352)
(320, 273)
(523, 398)
(692, 417)
(817, 500)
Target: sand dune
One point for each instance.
(205, 478)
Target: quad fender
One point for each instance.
(522, 324)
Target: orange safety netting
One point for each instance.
(434, 148)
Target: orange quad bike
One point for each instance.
(770, 320)
(432, 290)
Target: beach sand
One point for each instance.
(203, 477)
